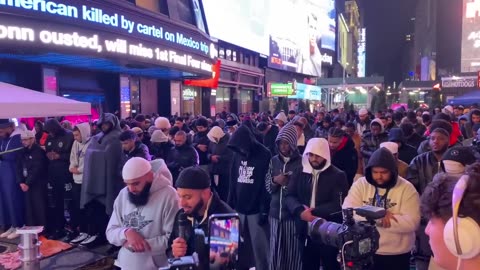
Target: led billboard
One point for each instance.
(471, 36)
(302, 35)
(298, 35)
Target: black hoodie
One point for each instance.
(346, 159)
(383, 158)
(248, 194)
(406, 152)
(61, 143)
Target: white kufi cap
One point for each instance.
(27, 134)
(135, 168)
(391, 146)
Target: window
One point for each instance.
(229, 54)
(246, 60)
(185, 11)
(198, 15)
(234, 56)
(221, 53)
(160, 6)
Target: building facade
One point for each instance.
(124, 56)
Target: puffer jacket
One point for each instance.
(225, 154)
(201, 138)
(181, 157)
(281, 165)
(371, 143)
(422, 169)
(467, 128)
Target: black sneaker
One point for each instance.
(94, 241)
(58, 235)
(70, 236)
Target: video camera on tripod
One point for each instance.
(357, 241)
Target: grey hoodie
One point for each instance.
(77, 156)
(154, 222)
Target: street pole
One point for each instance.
(344, 78)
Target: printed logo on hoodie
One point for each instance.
(135, 220)
(245, 173)
(380, 202)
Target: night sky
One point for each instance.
(387, 23)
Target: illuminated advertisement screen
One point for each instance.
(471, 36)
(298, 35)
(361, 52)
(93, 28)
(240, 22)
(302, 35)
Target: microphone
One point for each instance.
(182, 225)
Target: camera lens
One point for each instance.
(326, 232)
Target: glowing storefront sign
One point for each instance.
(98, 15)
(95, 43)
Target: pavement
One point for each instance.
(75, 258)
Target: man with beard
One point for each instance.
(362, 123)
(420, 173)
(383, 187)
(32, 177)
(198, 202)
(183, 155)
(11, 198)
(143, 215)
(316, 190)
(343, 152)
(285, 253)
(201, 142)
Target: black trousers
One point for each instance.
(36, 204)
(98, 219)
(77, 215)
(56, 211)
(392, 262)
(223, 185)
(315, 254)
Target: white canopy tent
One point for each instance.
(19, 102)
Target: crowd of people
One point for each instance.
(126, 183)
